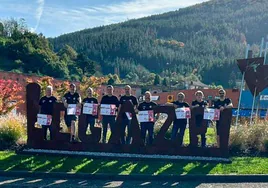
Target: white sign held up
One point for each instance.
(212, 114)
(73, 109)
(89, 108)
(108, 109)
(43, 119)
(146, 116)
(183, 113)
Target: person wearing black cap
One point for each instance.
(71, 97)
(222, 103)
(108, 99)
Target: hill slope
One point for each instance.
(208, 37)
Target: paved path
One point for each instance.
(62, 183)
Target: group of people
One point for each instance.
(73, 97)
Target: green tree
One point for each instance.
(110, 81)
(157, 80)
(165, 82)
(86, 65)
(68, 52)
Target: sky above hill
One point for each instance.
(56, 17)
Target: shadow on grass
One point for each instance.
(43, 163)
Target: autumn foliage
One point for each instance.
(9, 95)
(61, 87)
(93, 82)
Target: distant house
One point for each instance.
(195, 85)
(209, 95)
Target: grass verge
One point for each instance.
(41, 163)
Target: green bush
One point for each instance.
(12, 130)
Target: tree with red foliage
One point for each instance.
(9, 97)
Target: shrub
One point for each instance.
(247, 138)
(9, 97)
(12, 130)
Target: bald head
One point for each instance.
(127, 90)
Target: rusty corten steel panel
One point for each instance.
(161, 145)
(256, 73)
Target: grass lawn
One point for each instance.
(241, 165)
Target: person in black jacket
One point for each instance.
(109, 99)
(199, 102)
(91, 119)
(71, 97)
(46, 107)
(222, 103)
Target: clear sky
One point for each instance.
(56, 17)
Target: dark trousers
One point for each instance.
(178, 124)
(199, 120)
(45, 127)
(147, 126)
(126, 123)
(105, 121)
(203, 140)
(91, 121)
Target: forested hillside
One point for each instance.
(205, 39)
(24, 52)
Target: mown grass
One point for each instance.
(240, 165)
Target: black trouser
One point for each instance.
(147, 126)
(199, 120)
(45, 127)
(178, 124)
(105, 121)
(126, 123)
(91, 121)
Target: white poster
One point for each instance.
(146, 116)
(73, 109)
(183, 113)
(90, 108)
(108, 109)
(212, 114)
(43, 119)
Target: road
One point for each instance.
(18, 182)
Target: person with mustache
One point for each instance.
(221, 104)
(147, 105)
